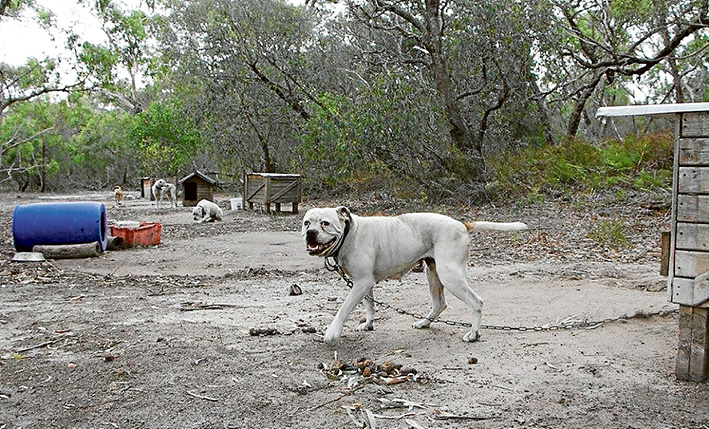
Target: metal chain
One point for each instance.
(568, 323)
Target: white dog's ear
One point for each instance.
(343, 213)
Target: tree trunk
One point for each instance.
(268, 162)
(459, 131)
(586, 93)
(674, 70)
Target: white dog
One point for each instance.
(164, 188)
(207, 211)
(372, 249)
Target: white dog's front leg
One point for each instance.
(368, 302)
(358, 292)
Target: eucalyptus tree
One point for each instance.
(598, 52)
(38, 76)
(38, 153)
(26, 137)
(243, 65)
(124, 64)
(164, 137)
(101, 153)
(475, 60)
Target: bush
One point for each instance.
(634, 163)
(610, 233)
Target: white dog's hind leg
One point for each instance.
(439, 299)
(368, 302)
(359, 291)
(454, 280)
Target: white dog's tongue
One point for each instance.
(313, 249)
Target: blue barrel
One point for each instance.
(59, 223)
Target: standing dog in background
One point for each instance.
(207, 211)
(164, 188)
(118, 195)
(375, 248)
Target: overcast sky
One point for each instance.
(23, 39)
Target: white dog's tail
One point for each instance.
(496, 226)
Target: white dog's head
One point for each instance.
(198, 212)
(323, 229)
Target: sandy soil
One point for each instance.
(203, 332)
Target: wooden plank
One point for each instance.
(692, 292)
(698, 365)
(281, 192)
(692, 208)
(691, 264)
(652, 109)
(250, 194)
(267, 195)
(695, 124)
(700, 295)
(664, 253)
(694, 151)
(692, 236)
(694, 180)
(675, 204)
(682, 291)
(684, 349)
(693, 350)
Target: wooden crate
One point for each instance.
(272, 188)
(688, 279)
(689, 242)
(687, 264)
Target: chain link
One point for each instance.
(568, 323)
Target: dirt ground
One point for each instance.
(203, 331)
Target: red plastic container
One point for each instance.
(145, 234)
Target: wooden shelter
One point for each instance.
(688, 250)
(196, 187)
(267, 188)
(145, 191)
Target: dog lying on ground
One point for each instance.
(372, 249)
(118, 195)
(164, 188)
(207, 211)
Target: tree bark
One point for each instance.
(460, 133)
(586, 93)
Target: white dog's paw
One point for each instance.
(366, 326)
(422, 324)
(331, 335)
(471, 336)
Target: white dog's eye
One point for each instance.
(306, 223)
(324, 223)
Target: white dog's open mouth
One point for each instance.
(316, 249)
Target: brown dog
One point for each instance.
(118, 195)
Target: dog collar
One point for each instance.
(336, 248)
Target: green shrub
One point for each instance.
(610, 233)
(634, 163)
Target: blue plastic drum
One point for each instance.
(59, 223)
